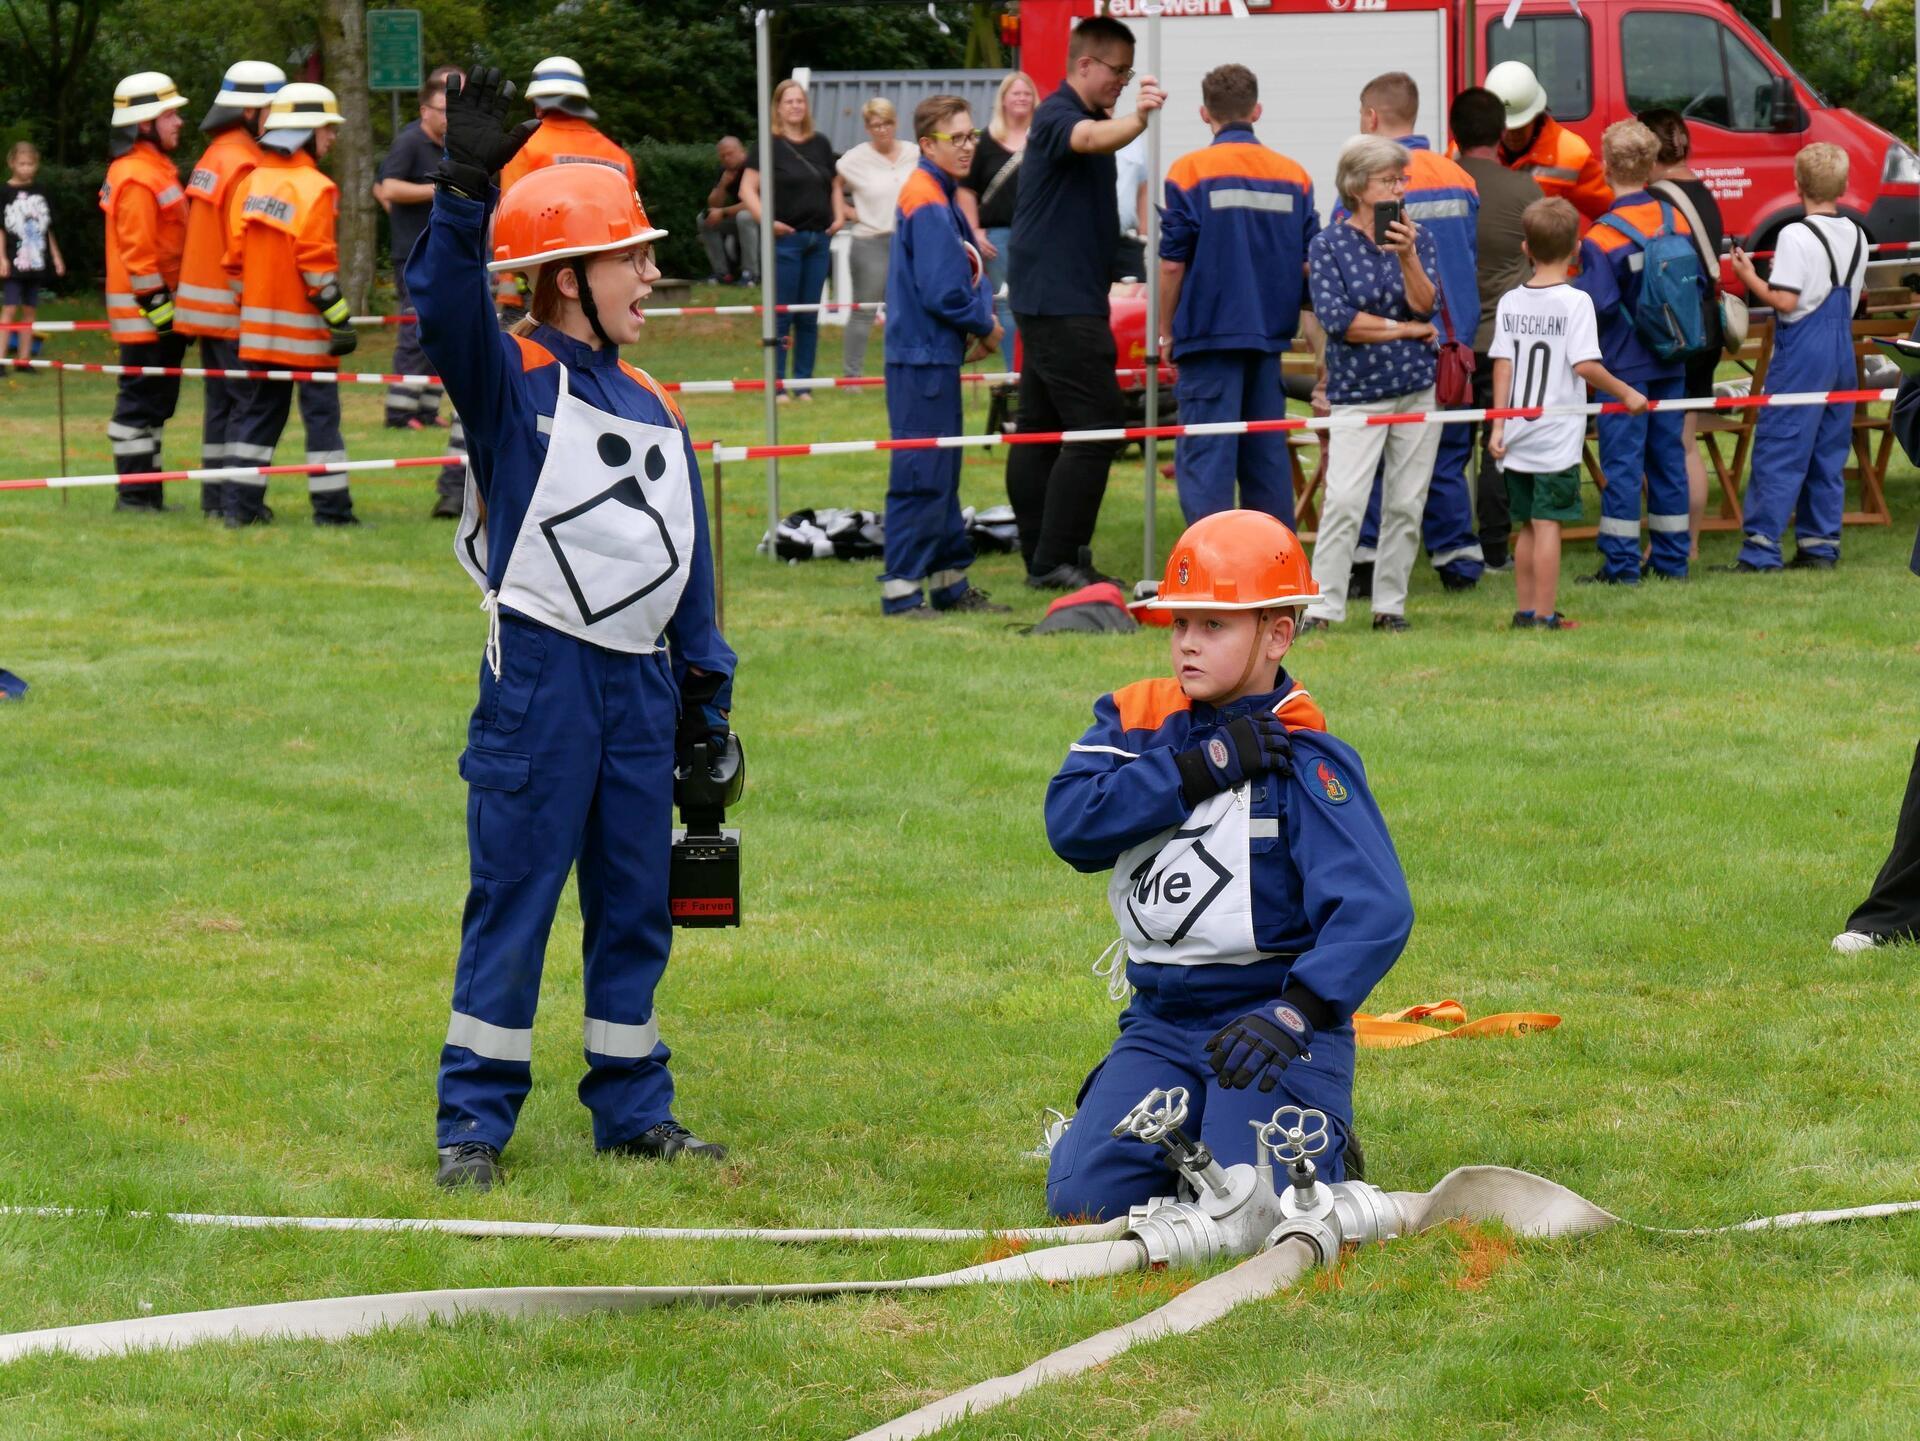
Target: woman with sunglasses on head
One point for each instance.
(585, 527)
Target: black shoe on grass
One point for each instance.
(468, 1163)
(666, 1141)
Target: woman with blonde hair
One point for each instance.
(987, 194)
(807, 203)
(871, 175)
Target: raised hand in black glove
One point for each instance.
(1248, 745)
(478, 143)
(1260, 1044)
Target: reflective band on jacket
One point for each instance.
(496, 1043)
(205, 293)
(319, 278)
(1553, 172)
(1242, 198)
(1437, 209)
(280, 345)
(170, 195)
(146, 282)
(610, 1038)
(292, 319)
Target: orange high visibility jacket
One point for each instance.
(209, 299)
(564, 139)
(283, 246)
(146, 231)
(1564, 165)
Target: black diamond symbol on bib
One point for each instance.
(612, 550)
(1221, 875)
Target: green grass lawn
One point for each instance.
(231, 868)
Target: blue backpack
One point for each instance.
(1671, 316)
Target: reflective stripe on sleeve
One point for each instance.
(1554, 172)
(146, 282)
(1238, 197)
(496, 1043)
(1437, 209)
(610, 1038)
(169, 196)
(318, 278)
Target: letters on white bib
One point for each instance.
(1184, 898)
(604, 550)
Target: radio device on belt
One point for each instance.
(703, 880)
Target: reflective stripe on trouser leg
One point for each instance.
(532, 765)
(1667, 494)
(1446, 525)
(1405, 475)
(143, 404)
(1800, 451)
(1353, 457)
(1206, 389)
(406, 402)
(622, 876)
(320, 415)
(216, 353)
(260, 414)
(925, 532)
(1092, 1173)
(1623, 452)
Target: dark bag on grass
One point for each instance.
(1097, 609)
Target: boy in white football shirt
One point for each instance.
(1546, 351)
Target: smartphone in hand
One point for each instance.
(1386, 213)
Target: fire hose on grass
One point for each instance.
(1285, 1227)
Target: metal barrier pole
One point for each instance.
(769, 325)
(1150, 447)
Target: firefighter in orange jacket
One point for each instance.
(208, 302)
(292, 315)
(146, 230)
(1538, 145)
(566, 136)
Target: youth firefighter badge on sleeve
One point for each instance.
(1333, 790)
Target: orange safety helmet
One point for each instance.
(560, 211)
(1235, 560)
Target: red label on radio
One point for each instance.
(703, 906)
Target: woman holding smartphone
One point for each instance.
(1372, 286)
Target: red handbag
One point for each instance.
(1453, 371)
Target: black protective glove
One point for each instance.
(157, 306)
(700, 718)
(478, 143)
(1247, 745)
(1261, 1044)
(333, 308)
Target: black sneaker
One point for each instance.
(1454, 581)
(1524, 620)
(1804, 560)
(667, 1140)
(468, 1163)
(1087, 565)
(335, 518)
(1061, 577)
(1360, 581)
(1387, 620)
(978, 601)
(447, 507)
(1600, 577)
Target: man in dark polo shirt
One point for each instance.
(405, 192)
(1066, 227)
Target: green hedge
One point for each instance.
(674, 181)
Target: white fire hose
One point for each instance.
(1285, 1229)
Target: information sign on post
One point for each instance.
(394, 50)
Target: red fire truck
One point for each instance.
(1609, 59)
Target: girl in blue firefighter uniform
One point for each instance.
(1256, 890)
(585, 529)
(937, 297)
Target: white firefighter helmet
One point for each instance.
(300, 105)
(249, 84)
(145, 96)
(1519, 90)
(557, 78)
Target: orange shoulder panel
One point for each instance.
(1427, 171)
(532, 354)
(1146, 704)
(648, 383)
(920, 189)
(1298, 712)
(1235, 160)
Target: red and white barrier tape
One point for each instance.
(1252, 427)
(667, 312)
(369, 377)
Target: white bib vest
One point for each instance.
(1185, 897)
(604, 551)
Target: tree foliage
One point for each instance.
(1862, 59)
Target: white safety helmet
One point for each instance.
(557, 78)
(249, 84)
(145, 96)
(1519, 90)
(296, 110)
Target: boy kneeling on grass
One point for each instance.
(1255, 886)
(1546, 333)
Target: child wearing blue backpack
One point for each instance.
(1640, 267)
(1800, 451)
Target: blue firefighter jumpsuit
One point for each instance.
(934, 302)
(1239, 217)
(1444, 199)
(1800, 451)
(1280, 885)
(1632, 446)
(570, 750)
